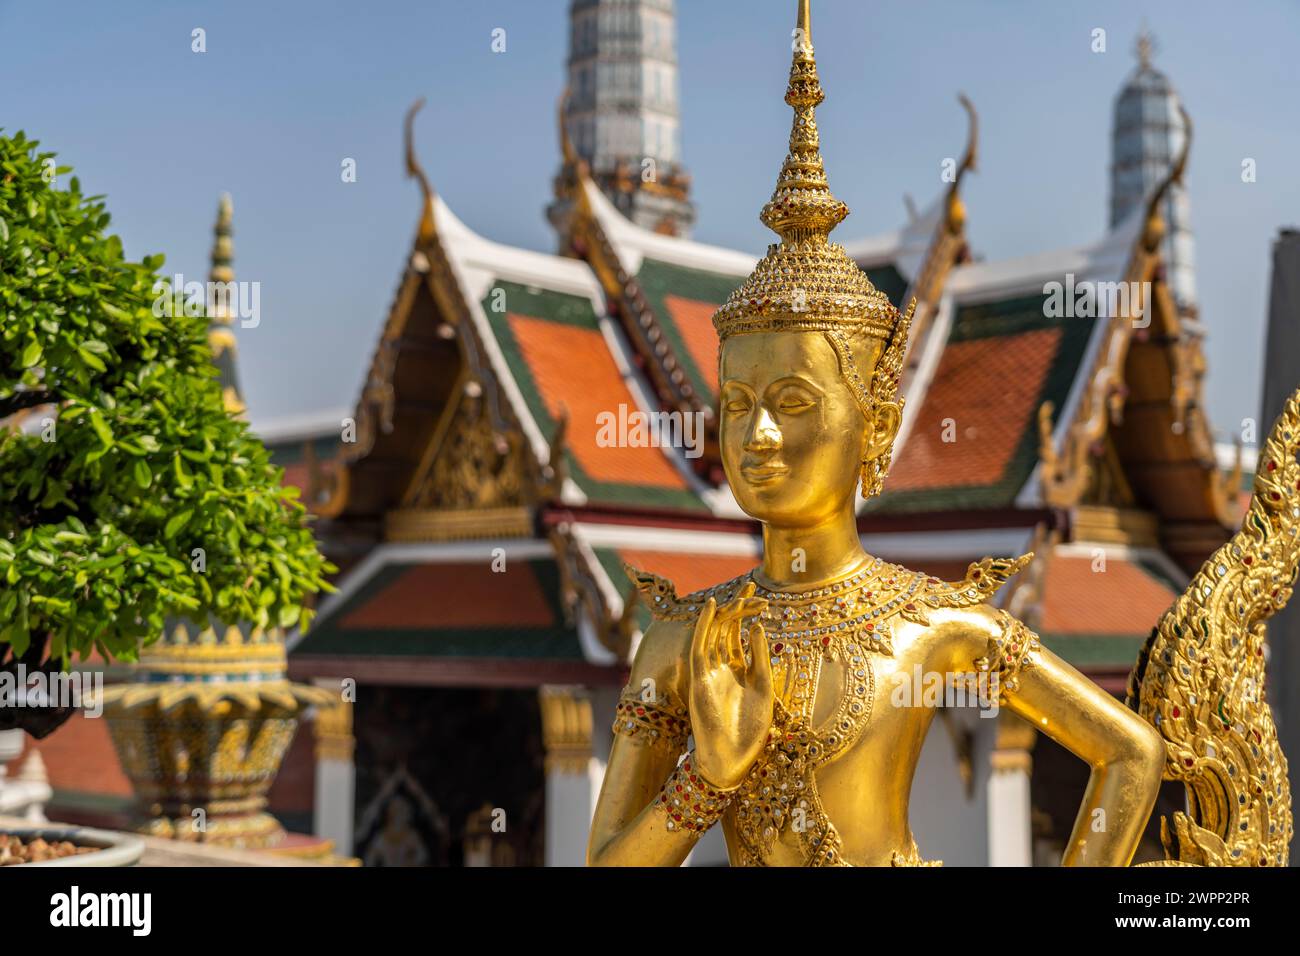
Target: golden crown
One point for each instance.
(805, 282)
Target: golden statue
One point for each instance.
(782, 676)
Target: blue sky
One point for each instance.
(286, 91)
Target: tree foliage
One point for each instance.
(128, 495)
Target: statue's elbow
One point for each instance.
(1149, 751)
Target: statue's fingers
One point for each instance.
(700, 641)
(716, 647)
(760, 667)
(742, 608)
(735, 648)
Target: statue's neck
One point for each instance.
(807, 556)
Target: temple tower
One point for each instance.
(622, 112)
(1147, 135)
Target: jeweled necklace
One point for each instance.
(854, 609)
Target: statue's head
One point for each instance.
(810, 353)
(794, 435)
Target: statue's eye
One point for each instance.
(794, 402)
(736, 403)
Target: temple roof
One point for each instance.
(455, 611)
(479, 419)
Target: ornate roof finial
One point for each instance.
(1146, 47)
(805, 282)
(415, 170)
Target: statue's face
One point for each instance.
(793, 437)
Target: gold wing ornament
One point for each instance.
(1200, 678)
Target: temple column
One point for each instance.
(1010, 764)
(335, 774)
(573, 775)
(26, 794)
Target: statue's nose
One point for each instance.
(764, 435)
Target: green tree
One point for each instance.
(128, 495)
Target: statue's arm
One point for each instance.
(630, 826)
(1126, 754)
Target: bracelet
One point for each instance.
(1008, 654)
(656, 721)
(691, 804)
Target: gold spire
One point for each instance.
(1146, 47)
(805, 282)
(221, 293)
(223, 245)
(802, 205)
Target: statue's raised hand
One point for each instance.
(730, 701)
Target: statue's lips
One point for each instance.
(762, 474)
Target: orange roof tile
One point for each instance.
(694, 320)
(573, 368)
(1080, 598)
(462, 595)
(689, 572)
(982, 397)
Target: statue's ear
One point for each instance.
(883, 429)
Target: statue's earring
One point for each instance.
(874, 471)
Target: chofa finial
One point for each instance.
(414, 169)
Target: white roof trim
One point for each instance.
(484, 261)
(1105, 259)
(1032, 492)
(476, 262)
(723, 502)
(936, 340)
(632, 243)
(1123, 552)
(303, 427)
(874, 250)
(904, 248)
(1226, 453)
(961, 545)
(673, 540)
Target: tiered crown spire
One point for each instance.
(805, 282)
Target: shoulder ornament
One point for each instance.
(982, 581)
(661, 598)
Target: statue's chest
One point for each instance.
(823, 644)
